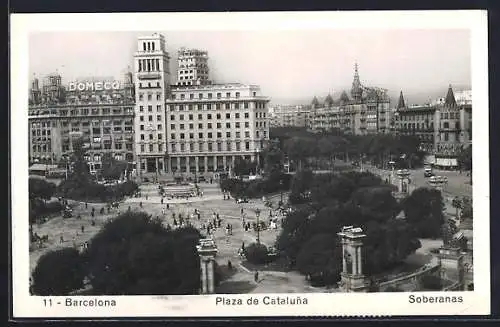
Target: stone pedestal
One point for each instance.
(452, 265)
(352, 277)
(207, 250)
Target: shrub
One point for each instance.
(58, 273)
(257, 253)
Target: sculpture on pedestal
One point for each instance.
(207, 250)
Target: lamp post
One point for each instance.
(257, 214)
(281, 192)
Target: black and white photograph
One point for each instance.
(228, 169)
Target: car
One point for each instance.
(428, 172)
(242, 200)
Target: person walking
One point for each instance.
(256, 277)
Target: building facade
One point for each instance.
(152, 88)
(193, 67)
(210, 126)
(287, 115)
(444, 128)
(365, 111)
(99, 111)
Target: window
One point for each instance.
(237, 94)
(209, 126)
(210, 95)
(182, 136)
(247, 146)
(181, 117)
(159, 126)
(172, 126)
(158, 107)
(181, 126)
(247, 115)
(209, 147)
(151, 148)
(191, 135)
(446, 125)
(190, 117)
(150, 108)
(446, 136)
(245, 105)
(228, 134)
(237, 124)
(142, 147)
(191, 126)
(228, 106)
(209, 116)
(236, 106)
(228, 125)
(181, 107)
(238, 147)
(209, 135)
(238, 135)
(228, 94)
(142, 137)
(200, 126)
(150, 137)
(237, 115)
(158, 96)
(150, 97)
(173, 147)
(190, 107)
(172, 136)
(141, 96)
(218, 116)
(200, 135)
(150, 118)
(141, 118)
(141, 128)
(228, 116)
(160, 149)
(219, 135)
(141, 108)
(200, 95)
(199, 107)
(217, 106)
(219, 95)
(191, 96)
(159, 136)
(183, 96)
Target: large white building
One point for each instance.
(193, 127)
(210, 126)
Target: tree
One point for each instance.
(257, 253)
(457, 204)
(112, 169)
(320, 259)
(244, 167)
(58, 273)
(40, 189)
(299, 148)
(465, 160)
(466, 207)
(424, 210)
(273, 157)
(135, 254)
(309, 234)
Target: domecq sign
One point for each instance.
(94, 86)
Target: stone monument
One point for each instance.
(207, 250)
(403, 183)
(352, 278)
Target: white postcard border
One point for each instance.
(323, 304)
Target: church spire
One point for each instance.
(450, 98)
(401, 102)
(356, 90)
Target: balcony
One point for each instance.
(148, 75)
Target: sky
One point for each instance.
(290, 66)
